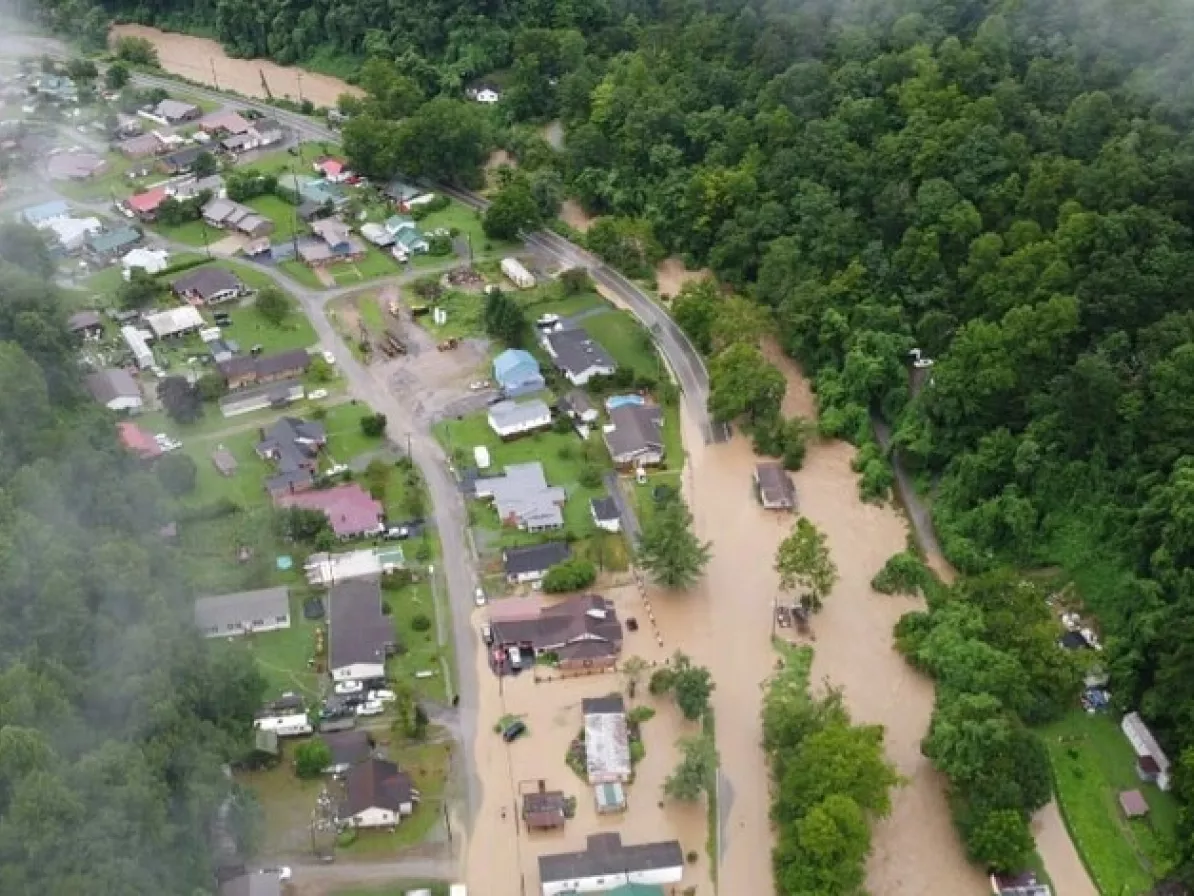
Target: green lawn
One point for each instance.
(422, 653)
(428, 764)
(296, 270)
(626, 340)
(282, 656)
(110, 185)
(105, 282)
(283, 160)
(345, 439)
(282, 213)
(286, 804)
(369, 307)
(192, 233)
(548, 299)
(1092, 762)
(465, 220)
(376, 263)
(465, 316)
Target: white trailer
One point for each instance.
(294, 725)
(517, 274)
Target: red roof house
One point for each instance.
(145, 205)
(350, 509)
(137, 440)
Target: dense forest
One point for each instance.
(116, 719)
(1007, 186)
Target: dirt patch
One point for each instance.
(671, 275)
(553, 133)
(205, 62)
(574, 216)
(229, 245)
(498, 854)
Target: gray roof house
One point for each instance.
(774, 487)
(523, 498)
(252, 883)
(359, 636)
(509, 418)
(225, 615)
(578, 356)
(607, 864)
(116, 390)
(607, 740)
(635, 435)
(294, 446)
(208, 286)
(531, 563)
(230, 215)
(85, 322)
(348, 748)
(605, 514)
(175, 110)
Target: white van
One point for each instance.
(458, 890)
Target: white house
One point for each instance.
(174, 322)
(488, 96)
(153, 261)
(605, 514)
(509, 418)
(244, 612)
(517, 274)
(1151, 762)
(606, 864)
(138, 343)
(72, 233)
(294, 725)
(578, 355)
(377, 795)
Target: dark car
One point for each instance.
(514, 731)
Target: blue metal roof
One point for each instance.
(514, 360)
(45, 212)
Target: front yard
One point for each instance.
(1092, 763)
(428, 764)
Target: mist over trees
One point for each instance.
(115, 716)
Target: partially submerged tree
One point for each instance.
(696, 772)
(803, 563)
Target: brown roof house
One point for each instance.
(774, 487)
(583, 632)
(229, 215)
(246, 370)
(543, 809)
(634, 435)
(378, 795)
(531, 563)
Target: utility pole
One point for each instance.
(215, 80)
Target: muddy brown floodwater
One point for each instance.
(915, 849)
(671, 275)
(205, 62)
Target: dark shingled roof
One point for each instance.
(358, 632)
(348, 747)
(377, 784)
(576, 351)
(605, 508)
(535, 558)
(206, 282)
(609, 704)
(581, 627)
(606, 855)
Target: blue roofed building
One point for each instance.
(41, 215)
(517, 372)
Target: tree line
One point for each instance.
(116, 717)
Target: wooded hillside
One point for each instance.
(115, 716)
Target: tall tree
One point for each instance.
(669, 550)
(803, 563)
(696, 772)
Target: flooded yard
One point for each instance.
(204, 61)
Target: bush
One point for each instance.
(903, 573)
(373, 426)
(347, 837)
(876, 478)
(640, 714)
(420, 622)
(590, 476)
(571, 575)
(662, 681)
(311, 758)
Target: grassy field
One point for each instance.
(296, 270)
(465, 312)
(282, 656)
(283, 160)
(626, 340)
(549, 300)
(428, 765)
(192, 233)
(1092, 762)
(282, 213)
(421, 652)
(110, 185)
(286, 803)
(105, 282)
(376, 263)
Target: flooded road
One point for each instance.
(204, 61)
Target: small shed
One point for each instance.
(609, 798)
(774, 487)
(543, 809)
(1133, 804)
(223, 460)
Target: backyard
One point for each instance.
(428, 764)
(1092, 763)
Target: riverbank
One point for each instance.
(204, 61)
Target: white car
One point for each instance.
(166, 443)
(382, 696)
(371, 708)
(344, 688)
(329, 357)
(479, 597)
(479, 385)
(282, 871)
(515, 656)
(316, 394)
(337, 469)
(640, 475)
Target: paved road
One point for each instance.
(318, 878)
(918, 512)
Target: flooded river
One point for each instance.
(204, 61)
